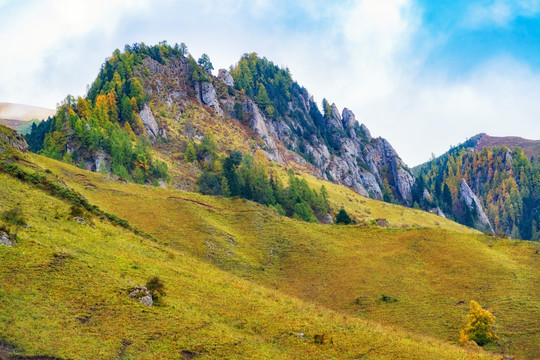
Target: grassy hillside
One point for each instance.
(63, 293)
(433, 267)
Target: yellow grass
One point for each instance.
(432, 267)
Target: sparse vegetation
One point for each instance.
(14, 216)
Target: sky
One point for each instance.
(424, 74)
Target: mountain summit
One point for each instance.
(160, 93)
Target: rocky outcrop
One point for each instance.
(5, 240)
(151, 126)
(142, 295)
(9, 138)
(209, 97)
(472, 201)
(263, 128)
(226, 77)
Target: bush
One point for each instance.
(156, 288)
(343, 217)
(479, 327)
(14, 216)
(388, 299)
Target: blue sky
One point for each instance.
(424, 74)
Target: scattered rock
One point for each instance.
(142, 295)
(5, 240)
(301, 335)
(460, 303)
(79, 220)
(382, 222)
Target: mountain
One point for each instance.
(163, 94)
(487, 182)
(16, 116)
(240, 280)
(531, 148)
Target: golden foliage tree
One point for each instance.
(478, 329)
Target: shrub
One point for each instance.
(388, 299)
(343, 217)
(156, 288)
(14, 216)
(479, 327)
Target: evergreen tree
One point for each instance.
(205, 63)
(343, 217)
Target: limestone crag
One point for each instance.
(151, 126)
(209, 97)
(226, 77)
(9, 138)
(472, 201)
(336, 145)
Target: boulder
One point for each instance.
(142, 295)
(5, 240)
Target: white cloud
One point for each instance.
(499, 12)
(358, 54)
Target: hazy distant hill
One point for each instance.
(15, 115)
(531, 148)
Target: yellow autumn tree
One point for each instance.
(478, 329)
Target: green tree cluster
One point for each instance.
(241, 175)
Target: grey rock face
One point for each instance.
(437, 211)
(142, 295)
(226, 77)
(209, 97)
(150, 124)
(258, 122)
(5, 240)
(13, 140)
(100, 160)
(472, 201)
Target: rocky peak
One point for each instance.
(348, 118)
(226, 77)
(335, 121)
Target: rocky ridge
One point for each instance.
(357, 160)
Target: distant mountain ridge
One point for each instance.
(15, 115)
(490, 183)
(531, 148)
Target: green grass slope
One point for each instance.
(433, 269)
(63, 293)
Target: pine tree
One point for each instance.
(343, 217)
(225, 191)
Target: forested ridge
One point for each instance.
(507, 182)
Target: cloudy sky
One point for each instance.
(425, 74)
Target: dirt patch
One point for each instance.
(191, 201)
